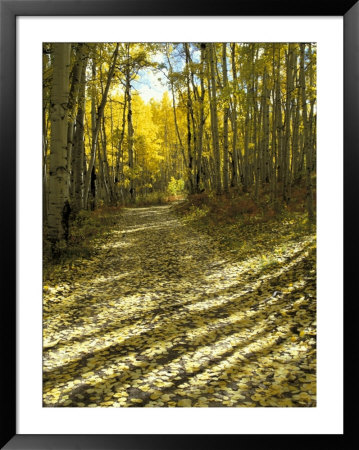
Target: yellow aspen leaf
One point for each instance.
(88, 374)
(49, 344)
(121, 394)
(155, 395)
(185, 402)
(109, 403)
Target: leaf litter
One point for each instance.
(165, 315)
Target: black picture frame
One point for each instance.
(9, 10)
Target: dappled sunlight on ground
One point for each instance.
(162, 316)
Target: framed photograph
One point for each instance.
(174, 253)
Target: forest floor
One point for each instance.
(170, 313)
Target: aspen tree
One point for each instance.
(234, 121)
(80, 56)
(296, 123)
(77, 185)
(214, 118)
(307, 150)
(118, 175)
(174, 108)
(58, 209)
(288, 103)
(225, 119)
(201, 119)
(46, 100)
(190, 119)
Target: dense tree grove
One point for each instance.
(236, 119)
(179, 256)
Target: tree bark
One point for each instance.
(130, 133)
(214, 118)
(78, 150)
(225, 119)
(287, 147)
(307, 151)
(59, 175)
(235, 165)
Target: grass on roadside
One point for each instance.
(241, 222)
(84, 229)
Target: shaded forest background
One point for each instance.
(235, 129)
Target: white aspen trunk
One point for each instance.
(295, 138)
(130, 133)
(214, 119)
(235, 162)
(307, 151)
(256, 152)
(78, 149)
(286, 149)
(225, 119)
(246, 151)
(274, 132)
(312, 116)
(265, 142)
(201, 121)
(106, 170)
(295, 142)
(59, 176)
(175, 116)
(118, 177)
(278, 130)
(44, 166)
(73, 101)
(191, 135)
